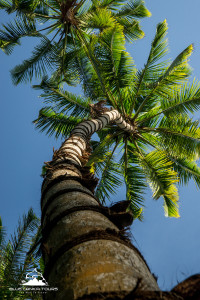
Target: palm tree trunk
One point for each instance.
(84, 251)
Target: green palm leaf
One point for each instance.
(15, 253)
(43, 58)
(16, 260)
(2, 236)
(111, 4)
(175, 74)
(162, 179)
(152, 69)
(55, 123)
(160, 140)
(134, 9)
(181, 135)
(117, 65)
(108, 140)
(99, 19)
(103, 164)
(128, 16)
(132, 29)
(186, 170)
(134, 180)
(110, 178)
(63, 101)
(183, 101)
(86, 19)
(90, 50)
(12, 33)
(5, 4)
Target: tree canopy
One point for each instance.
(157, 100)
(60, 26)
(87, 47)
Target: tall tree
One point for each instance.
(149, 124)
(164, 146)
(84, 247)
(154, 145)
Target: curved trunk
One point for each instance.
(84, 250)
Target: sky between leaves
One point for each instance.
(170, 246)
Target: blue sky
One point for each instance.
(170, 246)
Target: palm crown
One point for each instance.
(63, 27)
(157, 101)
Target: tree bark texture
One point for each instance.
(84, 248)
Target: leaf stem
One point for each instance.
(51, 7)
(47, 17)
(167, 109)
(92, 59)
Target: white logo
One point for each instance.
(33, 280)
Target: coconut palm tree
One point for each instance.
(16, 260)
(156, 100)
(64, 28)
(145, 116)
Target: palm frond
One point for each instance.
(55, 4)
(2, 236)
(110, 178)
(20, 6)
(63, 101)
(35, 250)
(55, 123)
(67, 66)
(86, 73)
(183, 101)
(150, 118)
(135, 9)
(5, 4)
(43, 58)
(134, 180)
(111, 4)
(132, 30)
(128, 15)
(100, 19)
(180, 135)
(100, 149)
(176, 74)
(12, 33)
(32, 258)
(117, 64)
(161, 178)
(186, 170)
(97, 75)
(102, 163)
(18, 246)
(41, 11)
(152, 69)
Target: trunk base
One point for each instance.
(143, 295)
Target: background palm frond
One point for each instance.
(16, 260)
(43, 58)
(12, 33)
